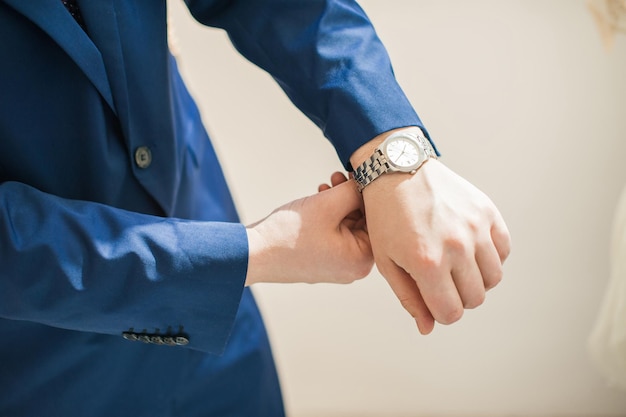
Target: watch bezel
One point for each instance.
(411, 138)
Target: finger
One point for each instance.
(489, 262)
(323, 187)
(340, 201)
(469, 283)
(337, 178)
(407, 292)
(439, 292)
(501, 237)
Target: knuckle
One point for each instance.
(429, 264)
(455, 244)
(475, 301)
(494, 279)
(459, 246)
(452, 315)
(506, 251)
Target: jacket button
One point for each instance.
(143, 157)
(157, 340)
(130, 336)
(181, 340)
(168, 340)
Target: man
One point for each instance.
(123, 264)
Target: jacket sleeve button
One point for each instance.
(157, 340)
(143, 157)
(130, 336)
(181, 340)
(168, 340)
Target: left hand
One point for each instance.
(438, 240)
(319, 238)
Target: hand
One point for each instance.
(438, 240)
(339, 178)
(320, 238)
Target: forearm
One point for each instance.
(266, 257)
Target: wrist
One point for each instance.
(399, 151)
(271, 247)
(256, 256)
(366, 150)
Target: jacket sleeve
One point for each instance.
(90, 267)
(326, 56)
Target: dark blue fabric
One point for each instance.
(74, 10)
(91, 245)
(327, 58)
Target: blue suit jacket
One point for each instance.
(114, 213)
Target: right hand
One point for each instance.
(320, 238)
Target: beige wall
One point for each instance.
(524, 101)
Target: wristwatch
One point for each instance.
(400, 152)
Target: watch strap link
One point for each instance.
(372, 168)
(428, 147)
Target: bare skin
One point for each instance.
(320, 238)
(438, 240)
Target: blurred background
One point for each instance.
(526, 100)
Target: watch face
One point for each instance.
(403, 153)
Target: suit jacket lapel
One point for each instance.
(126, 57)
(54, 19)
(132, 37)
(101, 20)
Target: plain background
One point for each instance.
(524, 101)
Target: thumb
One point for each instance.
(341, 200)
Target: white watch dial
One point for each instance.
(402, 152)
